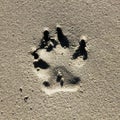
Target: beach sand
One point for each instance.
(96, 96)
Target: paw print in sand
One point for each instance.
(57, 64)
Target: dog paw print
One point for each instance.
(57, 64)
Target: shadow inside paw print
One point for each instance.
(81, 51)
(53, 59)
(46, 42)
(62, 38)
(41, 64)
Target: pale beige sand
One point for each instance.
(21, 26)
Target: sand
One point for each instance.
(22, 94)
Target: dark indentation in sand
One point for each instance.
(46, 42)
(41, 64)
(36, 56)
(74, 80)
(61, 82)
(81, 51)
(62, 38)
(26, 98)
(59, 76)
(55, 43)
(45, 39)
(46, 83)
(21, 89)
(49, 47)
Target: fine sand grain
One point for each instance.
(61, 88)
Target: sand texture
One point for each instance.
(42, 83)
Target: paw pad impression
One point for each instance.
(56, 65)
